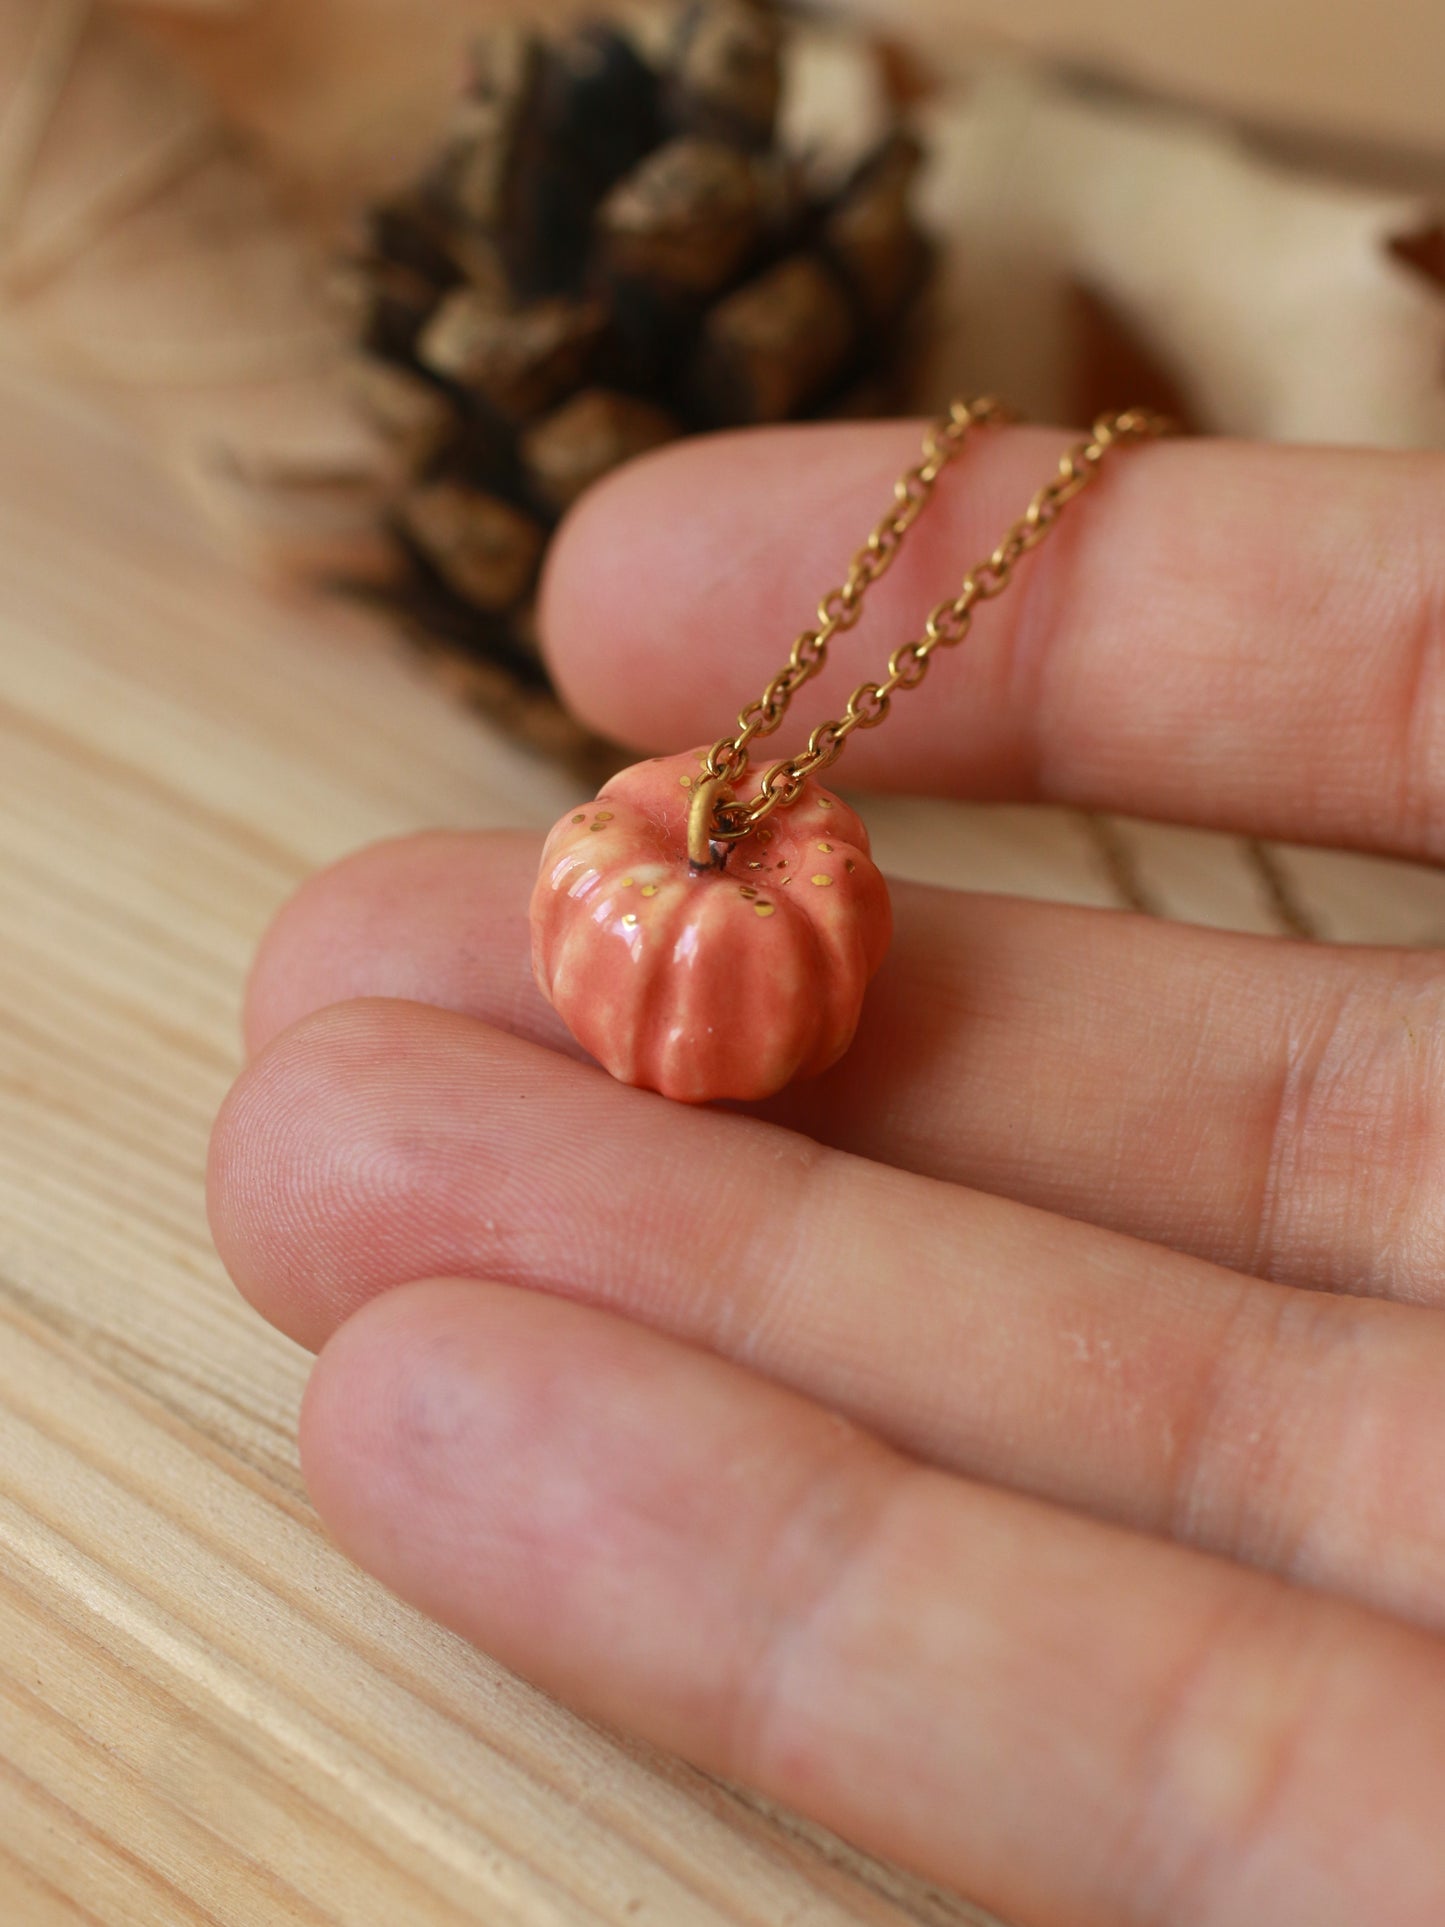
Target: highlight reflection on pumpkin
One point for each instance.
(724, 983)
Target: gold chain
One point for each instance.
(728, 759)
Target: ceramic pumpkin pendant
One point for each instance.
(709, 944)
(727, 980)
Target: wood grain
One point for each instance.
(205, 1714)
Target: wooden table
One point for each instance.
(205, 1713)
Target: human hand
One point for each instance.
(1019, 1449)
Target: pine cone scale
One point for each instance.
(609, 250)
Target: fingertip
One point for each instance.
(574, 1493)
(374, 1416)
(356, 1152)
(273, 998)
(437, 918)
(578, 582)
(324, 934)
(271, 1172)
(664, 533)
(240, 1160)
(475, 1447)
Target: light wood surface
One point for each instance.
(205, 1714)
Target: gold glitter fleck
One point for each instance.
(630, 919)
(820, 879)
(765, 909)
(826, 848)
(649, 889)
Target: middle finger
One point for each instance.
(1270, 1106)
(377, 1143)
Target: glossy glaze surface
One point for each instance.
(718, 984)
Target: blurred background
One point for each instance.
(224, 226)
(384, 286)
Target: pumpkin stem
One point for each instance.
(704, 850)
(717, 859)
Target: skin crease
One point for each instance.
(891, 1504)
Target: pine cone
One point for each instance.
(608, 251)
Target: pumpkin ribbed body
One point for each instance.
(725, 983)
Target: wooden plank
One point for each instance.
(205, 1713)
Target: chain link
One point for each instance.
(728, 761)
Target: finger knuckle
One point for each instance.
(1223, 1746)
(1353, 1190)
(1263, 1440)
(813, 1588)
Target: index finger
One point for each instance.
(1246, 637)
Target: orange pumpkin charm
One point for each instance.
(724, 981)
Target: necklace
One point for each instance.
(707, 944)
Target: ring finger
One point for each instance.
(380, 1142)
